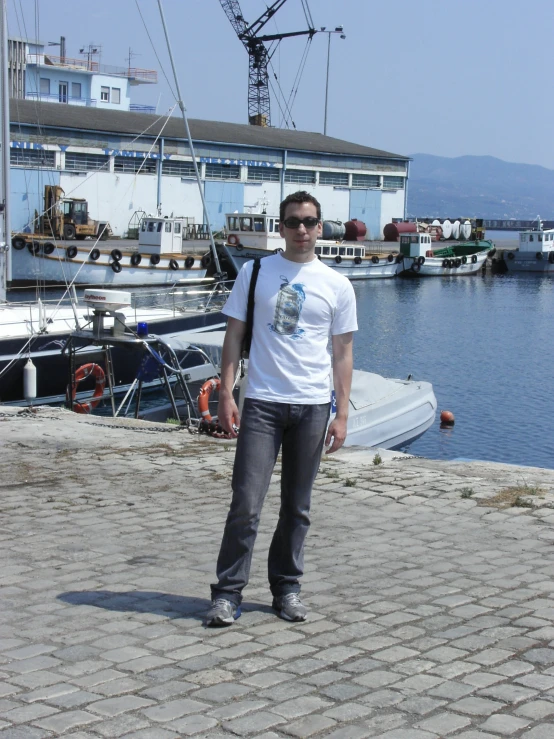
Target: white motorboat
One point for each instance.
(251, 235)
(38, 331)
(424, 257)
(535, 252)
(386, 413)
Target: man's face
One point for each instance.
(300, 240)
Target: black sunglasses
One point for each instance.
(308, 223)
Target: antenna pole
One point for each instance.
(181, 105)
(5, 236)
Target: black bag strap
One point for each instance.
(250, 308)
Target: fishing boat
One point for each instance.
(535, 252)
(424, 257)
(251, 235)
(161, 257)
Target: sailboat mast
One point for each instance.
(5, 234)
(184, 114)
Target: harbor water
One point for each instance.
(485, 343)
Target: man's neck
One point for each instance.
(299, 258)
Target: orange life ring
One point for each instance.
(204, 397)
(84, 371)
(233, 239)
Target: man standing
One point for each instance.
(299, 304)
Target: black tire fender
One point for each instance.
(154, 259)
(94, 254)
(416, 266)
(375, 259)
(189, 262)
(173, 264)
(421, 260)
(116, 266)
(116, 255)
(71, 252)
(206, 260)
(338, 259)
(136, 259)
(49, 248)
(474, 258)
(357, 260)
(18, 243)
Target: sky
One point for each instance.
(443, 77)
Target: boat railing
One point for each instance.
(179, 299)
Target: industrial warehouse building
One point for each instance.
(124, 163)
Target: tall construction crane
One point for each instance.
(259, 56)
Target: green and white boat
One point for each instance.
(423, 257)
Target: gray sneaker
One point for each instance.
(222, 613)
(290, 607)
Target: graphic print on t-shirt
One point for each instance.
(290, 299)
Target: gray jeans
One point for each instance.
(265, 428)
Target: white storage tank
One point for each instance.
(447, 229)
(465, 230)
(456, 230)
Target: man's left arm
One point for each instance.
(342, 345)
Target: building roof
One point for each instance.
(56, 115)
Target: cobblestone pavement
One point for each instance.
(431, 608)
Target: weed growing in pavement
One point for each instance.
(377, 459)
(467, 492)
(349, 483)
(174, 421)
(333, 474)
(513, 496)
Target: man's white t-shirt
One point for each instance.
(298, 306)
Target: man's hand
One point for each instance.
(336, 432)
(228, 415)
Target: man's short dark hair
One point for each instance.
(299, 197)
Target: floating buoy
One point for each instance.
(29, 380)
(447, 418)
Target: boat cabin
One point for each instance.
(537, 239)
(159, 235)
(415, 245)
(254, 229)
(339, 250)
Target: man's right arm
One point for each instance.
(228, 412)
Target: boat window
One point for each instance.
(358, 253)
(246, 224)
(159, 226)
(270, 226)
(523, 237)
(177, 228)
(167, 227)
(539, 236)
(531, 237)
(349, 252)
(143, 227)
(334, 251)
(318, 250)
(404, 239)
(233, 223)
(151, 226)
(325, 251)
(414, 239)
(342, 251)
(276, 224)
(259, 224)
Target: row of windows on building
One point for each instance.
(107, 94)
(78, 162)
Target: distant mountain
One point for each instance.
(480, 187)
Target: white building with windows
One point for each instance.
(35, 74)
(124, 163)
